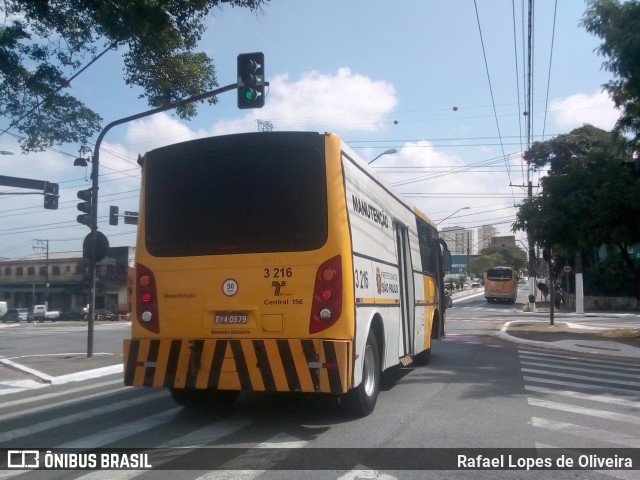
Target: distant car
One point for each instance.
(74, 314)
(16, 315)
(475, 283)
(102, 314)
(40, 314)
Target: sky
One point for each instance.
(443, 83)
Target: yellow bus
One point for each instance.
(278, 261)
(501, 283)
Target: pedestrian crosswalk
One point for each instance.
(571, 401)
(104, 415)
(582, 401)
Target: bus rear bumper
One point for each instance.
(287, 365)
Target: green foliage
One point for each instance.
(44, 42)
(617, 24)
(590, 197)
(610, 276)
(495, 256)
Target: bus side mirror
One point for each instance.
(446, 260)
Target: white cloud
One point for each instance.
(345, 100)
(159, 130)
(574, 111)
(440, 183)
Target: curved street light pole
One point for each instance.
(445, 218)
(386, 152)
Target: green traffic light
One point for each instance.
(250, 94)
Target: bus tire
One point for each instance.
(362, 400)
(202, 398)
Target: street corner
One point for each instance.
(619, 342)
(52, 369)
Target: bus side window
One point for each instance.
(428, 248)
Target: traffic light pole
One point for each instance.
(95, 167)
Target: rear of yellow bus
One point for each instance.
(242, 275)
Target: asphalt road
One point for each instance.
(478, 392)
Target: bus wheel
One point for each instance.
(362, 400)
(199, 398)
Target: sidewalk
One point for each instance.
(570, 336)
(25, 372)
(535, 330)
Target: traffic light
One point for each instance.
(131, 218)
(251, 80)
(51, 196)
(85, 207)
(113, 215)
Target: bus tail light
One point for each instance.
(327, 295)
(146, 299)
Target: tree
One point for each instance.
(590, 197)
(497, 255)
(44, 42)
(617, 24)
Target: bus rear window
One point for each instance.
(233, 200)
(499, 274)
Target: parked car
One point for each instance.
(102, 314)
(16, 315)
(77, 313)
(41, 314)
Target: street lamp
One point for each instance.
(460, 209)
(386, 152)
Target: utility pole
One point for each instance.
(44, 245)
(528, 114)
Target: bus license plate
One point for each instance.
(231, 318)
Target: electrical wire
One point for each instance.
(553, 36)
(486, 64)
(64, 85)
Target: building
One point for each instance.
(504, 241)
(485, 234)
(459, 240)
(61, 280)
(460, 264)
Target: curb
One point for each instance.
(65, 378)
(601, 347)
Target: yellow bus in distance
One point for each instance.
(501, 284)
(278, 261)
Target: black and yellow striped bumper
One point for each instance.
(283, 365)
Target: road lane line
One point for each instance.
(122, 431)
(177, 447)
(592, 412)
(583, 386)
(594, 370)
(279, 449)
(75, 417)
(585, 396)
(47, 396)
(586, 432)
(579, 377)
